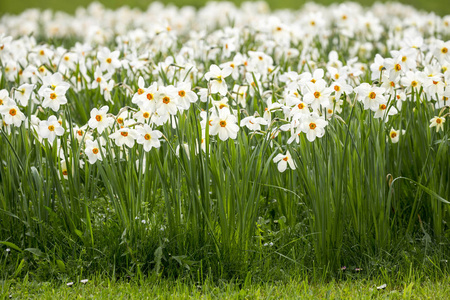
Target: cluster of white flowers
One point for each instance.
(267, 72)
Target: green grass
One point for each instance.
(103, 288)
(11, 6)
(338, 208)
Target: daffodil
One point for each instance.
(437, 122)
(100, 120)
(50, 129)
(283, 161)
(148, 138)
(216, 78)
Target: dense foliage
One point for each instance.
(235, 142)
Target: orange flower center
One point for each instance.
(372, 95)
(414, 83)
(397, 67)
(150, 96)
(317, 94)
(337, 88)
(98, 118)
(140, 91)
(223, 123)
(108, 60)
(312, 126)
(438, 121)
(124, 133)
(301, 105)
(383, 106)
(182, 93)
(444, 50)
(393, 134)
(51, 128)
(286, 158)
(146, 115)
(95, 150)
(147, 136)
(53, 96)
(12, 112)
(166, 100)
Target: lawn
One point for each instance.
(257, 154)
(102, 288)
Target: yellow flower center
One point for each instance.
(51, 128)
(146, 115)
(372, 95)
(98, 118)
(444, 50)
(140, 91)
(438, 121)
(414, 83)
(53, 96)
(301, 105)
(397, 67)
(337, 88)
(317, 94)
(393, 134)
(108, 60)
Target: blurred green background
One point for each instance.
(441, 7)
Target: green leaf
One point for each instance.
(11, 245)
(19, 268)
(424, 188)
(35, 251)
(61, 265)
(79, 233)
